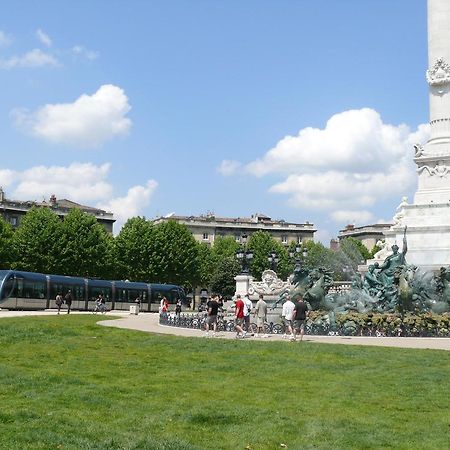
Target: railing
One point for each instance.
(312, 327)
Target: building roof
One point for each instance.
(58, 205)
(376, 229)
(254, 219)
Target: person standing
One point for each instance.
(248, 305)
(300, 314)
(211, 318)
(288, 316)
(68, 299)
(59, 301)
(239, 317)
(178, 308)
(261, 316)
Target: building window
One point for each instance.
(284, 239)
(13, 221)
(205, 237)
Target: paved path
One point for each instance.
(149, 323)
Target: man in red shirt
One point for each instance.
(239, 317)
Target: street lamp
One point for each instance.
(299, 255)
(244, 256)
(273, 260)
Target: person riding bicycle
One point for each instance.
(100, 303)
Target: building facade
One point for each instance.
(13, 210)
(369, 235)
(206, 228)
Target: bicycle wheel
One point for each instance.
(277, 329)
(230, 326)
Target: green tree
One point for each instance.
(206, 264)
(262, 243)
(318, 255)
(7, 249)
(224, 246)
(86, 247)
(37, 241)
(355, 249)
(222, 279)
(133, 249)
(176, 255)
(375, 249)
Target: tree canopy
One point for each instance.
(85, 246)
(38, 241)
(7, 249)
(262, 243)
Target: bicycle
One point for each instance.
(99, 307)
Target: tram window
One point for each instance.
(121, 295)
(133, 294)
(60, 288)
(30, 289)
(95, 291)
(157, 296)
(7, 288)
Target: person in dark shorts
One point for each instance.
(300, 314)
(68, 300)
(211, 318)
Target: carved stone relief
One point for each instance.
(440, 169)
(269, 284)
(439, 73)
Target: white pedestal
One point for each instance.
(428, 235)
(242, 283)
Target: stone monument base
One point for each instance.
(428, 235)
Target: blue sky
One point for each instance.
(153, 107)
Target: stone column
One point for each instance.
(428, 218)
(433, 160)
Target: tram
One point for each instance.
(32, 291)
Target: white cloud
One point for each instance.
(228, 167)
(87, 122)
(84, 183)
(33, 58)
(335, 190)
(5, 39)
(136, 200)
(6, 177)
(352, 217)
(80, 51)
(81, 182)
(44, 38)
(355, 141)
(352, 164)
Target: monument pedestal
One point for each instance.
(242, 283)
(428, 234)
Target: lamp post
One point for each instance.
(244, 255)
(299, 255)
(273, 260)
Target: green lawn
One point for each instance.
(67, 383)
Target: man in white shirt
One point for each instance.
(248, 305)
(288, 315)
